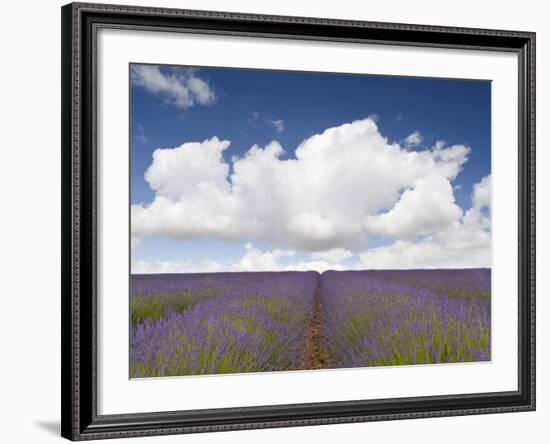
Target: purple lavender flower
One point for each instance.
(247, 322)
(407, 317)
(190, 324)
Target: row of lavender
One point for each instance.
(218, 323)
(407, 317)
(245, 322)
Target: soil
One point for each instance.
(317, 353)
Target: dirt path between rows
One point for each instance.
(316, 353)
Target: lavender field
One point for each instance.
(189, 324)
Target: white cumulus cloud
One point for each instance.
(253, 259)
(480, 213)
(316, 201)
(466, 243)
(257, 260)
(278, 124)
(427, 207)
(426, 254)
(414, 139)
(178, 86)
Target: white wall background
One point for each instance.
(30, 221)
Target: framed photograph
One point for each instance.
(281, 221)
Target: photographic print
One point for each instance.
(285, 220)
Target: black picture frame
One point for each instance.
(80, 22)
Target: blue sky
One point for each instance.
(171, 106)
